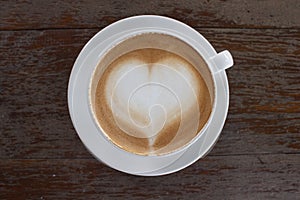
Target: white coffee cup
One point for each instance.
(79, 100)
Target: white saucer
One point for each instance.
(90, 134)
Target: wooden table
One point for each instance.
(257, 156)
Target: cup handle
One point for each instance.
(222, 61)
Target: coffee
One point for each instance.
(151, 94)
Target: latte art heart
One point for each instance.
(146, 97)
(151, 101)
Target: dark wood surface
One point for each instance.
(257, 156)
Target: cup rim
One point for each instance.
(131, 35)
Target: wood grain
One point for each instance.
(264, 89)
(51, 14)
(222, 177)
(264, 114)
(257, 155)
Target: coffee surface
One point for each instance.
(151, 101)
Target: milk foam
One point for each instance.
(144, 97)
